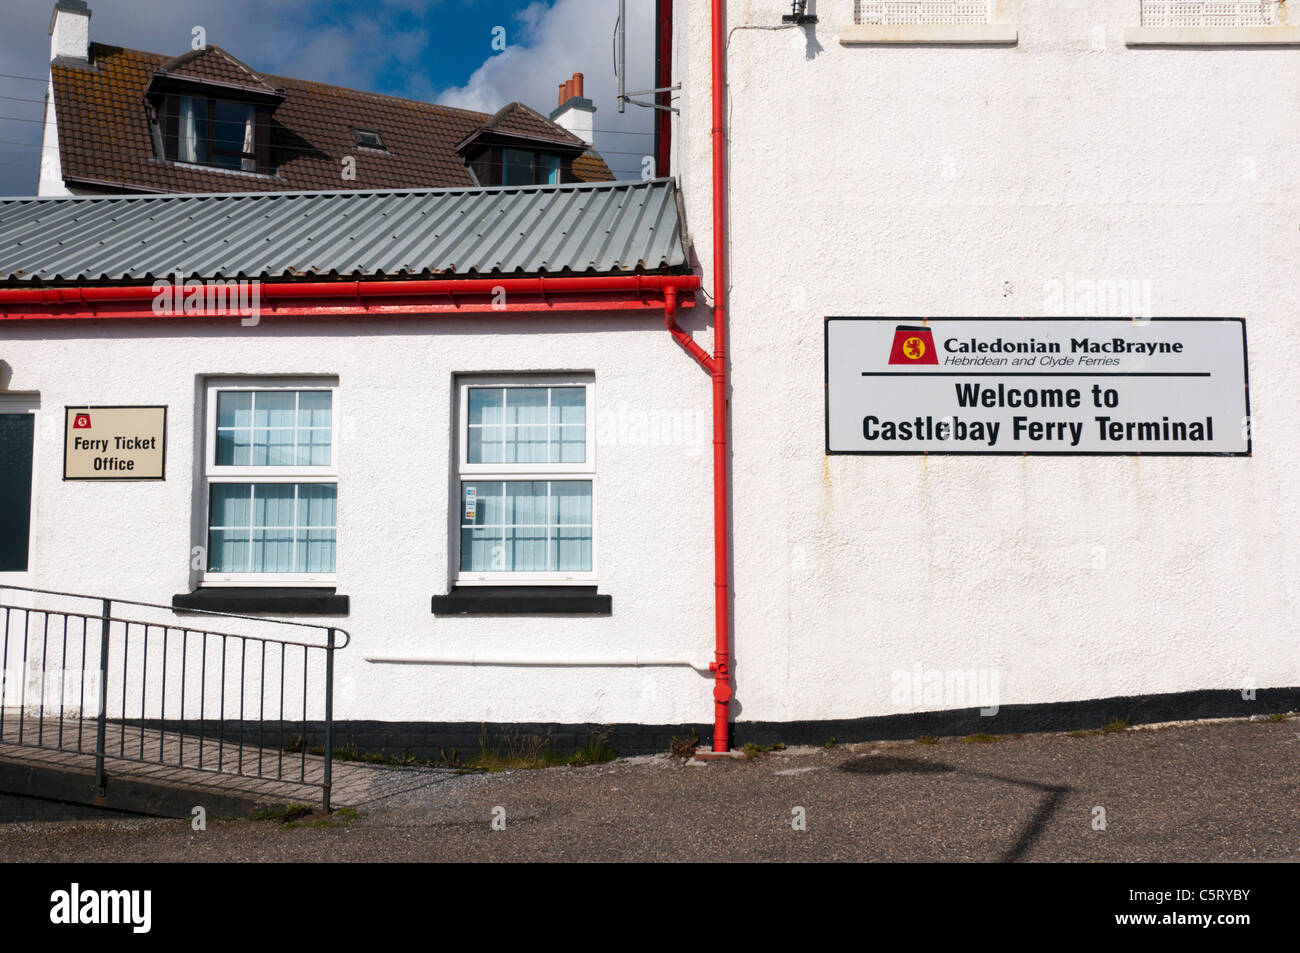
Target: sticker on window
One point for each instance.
(471, 499)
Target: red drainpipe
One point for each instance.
(721, 665)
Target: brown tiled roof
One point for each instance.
(516, 119)
(104, 131)
(590, 167)
(212, 64)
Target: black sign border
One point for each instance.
(826, 367)
(114, 479)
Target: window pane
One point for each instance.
(570, 502)
(317, 503)
(485, 444)
(526, 406)
(228, 550)
(274, 447)
(316, 551)
(272, 551)
(527, 526)
(274, 408)
(229, 533)
(573, 549)
(234, 418)
(273, 504)
(234, 409)
(526, 504)
(486, 405)
(569, 444)
(568, 405)
(482, 550)
(272, 527)
(518, 167)
(314, 408)
(274, 428)
(230, 504)
(314, 448)
(487, 504)
(526, 549)
(232, 133)
(542, 425)
(551, 169)
(525, 445)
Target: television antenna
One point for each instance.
(620, 70)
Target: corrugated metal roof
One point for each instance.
(606, 228)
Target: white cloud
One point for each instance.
(546, 44)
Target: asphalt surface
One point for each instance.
(1221, 791)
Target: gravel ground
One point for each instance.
(1217, 791)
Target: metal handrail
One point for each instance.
(122, 626)
(347, 638)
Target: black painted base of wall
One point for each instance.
(20, 808)
(34, 792)
(436, 740)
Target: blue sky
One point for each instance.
(431, 50)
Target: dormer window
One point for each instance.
(369, 139)
(208, 109)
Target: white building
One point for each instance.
(957, 160)
(1022, 160)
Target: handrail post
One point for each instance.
(329, 715)
(105, 622)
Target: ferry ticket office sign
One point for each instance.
(1165, 386)
(115, 443)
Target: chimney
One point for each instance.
(574, 112)
(70, 31)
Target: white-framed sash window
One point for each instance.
(270, 483)
(526, 487)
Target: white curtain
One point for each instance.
(247, 164)
(188, 139)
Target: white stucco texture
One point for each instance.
(396, 475)
(947, 181)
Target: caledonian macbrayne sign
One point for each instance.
(115, 443)
(1160, 386)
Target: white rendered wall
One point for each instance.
(50, 180)
(69, 38)
(653, 506)
(945, 181)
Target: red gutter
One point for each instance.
(721, 665)
(380, 298)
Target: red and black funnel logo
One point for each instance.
(81, 422)
(913, 346)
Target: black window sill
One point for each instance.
(522, 600)
(254, 600)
